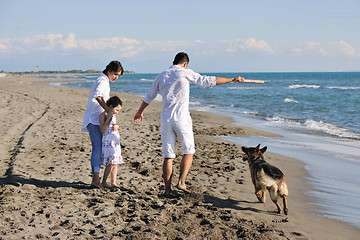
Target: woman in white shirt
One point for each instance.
(99, 94)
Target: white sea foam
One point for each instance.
(276, 119)
(250, 113)
(330, 129)
(303, 86)
(146, 80)
(89, 77)
(344, 88)
(203, 108)
(289, 100)
(320, 126)
(56, 83)
(281, 120)
(194, 103)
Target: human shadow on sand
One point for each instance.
(18, 180)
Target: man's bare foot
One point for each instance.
(106, 185)
(171, 195)
(97, 185)
(183, 188)
(167, 192)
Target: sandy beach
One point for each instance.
(45, 176)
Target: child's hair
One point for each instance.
(114, 102)
(114, 66)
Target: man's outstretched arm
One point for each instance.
(222, 80)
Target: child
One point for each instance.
(111, 150)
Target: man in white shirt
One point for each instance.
(174, 87)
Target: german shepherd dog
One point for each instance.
(266, 177)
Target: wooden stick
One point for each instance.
(253, 81)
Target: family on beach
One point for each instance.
(173, 85)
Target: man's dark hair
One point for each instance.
(180, 58)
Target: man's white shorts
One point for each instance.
(182, 129)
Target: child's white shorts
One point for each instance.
(182, 129)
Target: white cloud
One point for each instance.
(3, 47)
(250, 44)
(343, 48)
(127, 46)
(54, 49)
(55, 42)
(334, 48)
(70, 42)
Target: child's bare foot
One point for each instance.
(182, 187)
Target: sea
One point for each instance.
(317, 113)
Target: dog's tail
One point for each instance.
(282, 187)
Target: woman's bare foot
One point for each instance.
(97, 185)
(95, 182)
(114, 185)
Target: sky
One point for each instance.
(219, 36)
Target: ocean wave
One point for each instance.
(303, 86)
(146, 80)
(330, 129)
(57, 83)
(92, 77)
(344, 88)
(202, 108)
(278, 119)
(319, 126)
(195, 103)
(289, 100)
(251, 113)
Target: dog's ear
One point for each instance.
(244, 149)
(263, 150)
(257, 148)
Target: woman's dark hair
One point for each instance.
(114, 102)
(114, 66)
(180, 58)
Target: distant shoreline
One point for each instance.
(4, 73)
(62, 72)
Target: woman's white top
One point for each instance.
(100, 88)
